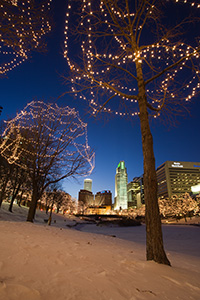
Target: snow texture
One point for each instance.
(89, 262)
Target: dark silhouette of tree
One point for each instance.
(5, 174)
(55, 198)
(137, 53)
(50, 143)
(18, 180)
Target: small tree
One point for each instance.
(50, 142)
(63, 201)
(133, 52)
(22, 25)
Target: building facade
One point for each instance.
(88, 184)
(121, 200)
(85, 198)
(103, 198)
(135, 192)
(175, 178)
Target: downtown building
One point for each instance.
(103, 198)
(88, 184)
(176, 178)
(173, 178)
(135, 192)
(85, 196)
(101, 203)
(121, 200)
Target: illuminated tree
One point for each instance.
(134, 56)
(178, 205)
(50, 143)
(22, 25)
(69, 205)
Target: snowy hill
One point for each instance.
(40, 262)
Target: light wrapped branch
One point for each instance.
(114, 38)
(22, 25)
(50, 143)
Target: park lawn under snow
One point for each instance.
(57, 262)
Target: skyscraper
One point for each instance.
(121, 201)
(88, 184)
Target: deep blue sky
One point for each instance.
(113, 140)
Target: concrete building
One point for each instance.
(103, 198)
(88, 184)
(85, 198)
(175, 178)
(121, 201)
(134, 194)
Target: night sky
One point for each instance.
(113, 139)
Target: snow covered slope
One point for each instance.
(41, 262)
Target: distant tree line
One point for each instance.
(15, 186)
(175, 207)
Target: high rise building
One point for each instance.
(88, 184)
(135, 193)
(121, 201)
(175, 178)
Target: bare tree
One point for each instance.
(50, 143)
(132, 51)
(22, 25)
(54, 199)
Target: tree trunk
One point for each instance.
(50, 216)
(47, 209)
(154, 240)
(4, 185)
(14, 195)
(33, 205)
(3, 189)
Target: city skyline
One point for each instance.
(41, 78)
(176, 165)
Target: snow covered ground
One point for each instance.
(89, 262)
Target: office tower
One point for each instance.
(88, 184)
(175, 178)
(85, 198)
(103, 198)
(135, 193)
(121, 201)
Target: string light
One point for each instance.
(43, 131)
(111, 71)
(22, 26)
